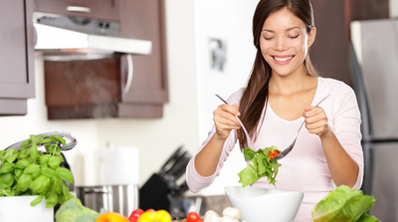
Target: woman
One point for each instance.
(278, 98)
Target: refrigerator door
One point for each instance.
(385, 181)
(376, 46)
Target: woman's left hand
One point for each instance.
(316, 120)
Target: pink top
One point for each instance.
(305, 168)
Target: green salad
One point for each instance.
(344, 205)
(262, 164)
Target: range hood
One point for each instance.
(83, 36)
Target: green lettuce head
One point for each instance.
(344, 204)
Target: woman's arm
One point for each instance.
(224, 121)
(342, 144)
(202, 168)
(343, 168)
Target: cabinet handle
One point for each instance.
(73, 8)
(130, 73)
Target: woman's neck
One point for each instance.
(291, 84)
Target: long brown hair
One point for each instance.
(256, 93)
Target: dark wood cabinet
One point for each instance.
(146, 20)
(124, 85)
(16, 56)
(94, 89)
(330, 52)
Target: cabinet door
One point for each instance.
(145, 20)
(17, 55)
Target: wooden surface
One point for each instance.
(330, 52)
(17, 55)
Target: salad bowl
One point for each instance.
(261, 204)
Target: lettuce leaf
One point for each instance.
(261, 165)
(344, 204)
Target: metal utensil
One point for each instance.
(249, 141)
(69, 139)
(290, 147)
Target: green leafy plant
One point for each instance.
(344, 204)
(29, 171)
(261, 164)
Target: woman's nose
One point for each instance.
(280, 44)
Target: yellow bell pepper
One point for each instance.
(112, 217)
(158, 216)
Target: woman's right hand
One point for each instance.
(225, 120)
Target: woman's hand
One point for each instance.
(225, 120)
(316, 120)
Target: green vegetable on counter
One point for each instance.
(73, 210)
(344, 204)
(32, 172)
(261, 165)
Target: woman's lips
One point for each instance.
(282, 60)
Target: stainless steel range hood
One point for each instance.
(83, 36)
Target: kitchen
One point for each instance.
(191, 87)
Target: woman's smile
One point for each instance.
(282, 60)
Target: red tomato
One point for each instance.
(273, 154)
(150, 210)
(135, 215)
(193, 217)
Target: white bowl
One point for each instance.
(261, 204)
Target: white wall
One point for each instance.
(394, 8)
(231, 21)
(188, 115)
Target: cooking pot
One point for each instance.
(113, 198)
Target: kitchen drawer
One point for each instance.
(94, 9)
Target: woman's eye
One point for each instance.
(294, 37)
(268, 38)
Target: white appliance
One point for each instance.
(58, 32)
(119, 165)
(118, 189)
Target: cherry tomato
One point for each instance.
(135, 215)
(272, 154)
(193, 217)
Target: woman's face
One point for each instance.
(284, 42)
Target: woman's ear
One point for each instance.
(311, 36)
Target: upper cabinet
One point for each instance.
(16, 56)
(120, 85)
(146, 20)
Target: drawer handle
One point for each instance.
(130, 73)
(78, 9)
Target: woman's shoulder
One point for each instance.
(235, 97)
(334, 85)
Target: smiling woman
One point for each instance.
(281, 93)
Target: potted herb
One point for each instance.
(34, 175)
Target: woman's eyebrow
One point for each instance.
(269, 30)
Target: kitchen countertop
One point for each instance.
(215, 202)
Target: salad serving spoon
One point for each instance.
(249, 141)
(290, 147)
